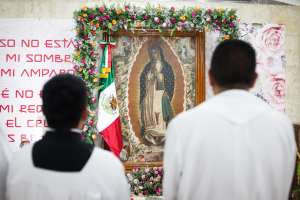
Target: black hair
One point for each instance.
(64, 99)
(233, 64)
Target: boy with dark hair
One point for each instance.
(61, 166)
(233, 146)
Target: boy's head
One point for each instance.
(64, 102)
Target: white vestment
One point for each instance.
(231, 147)
(5, 155)
(102, 178)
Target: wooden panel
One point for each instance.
(199, 73)
(130, 166)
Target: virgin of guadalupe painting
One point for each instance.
(156, 92)
(154, 84)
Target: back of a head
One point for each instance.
(233, 65)
(64, 99)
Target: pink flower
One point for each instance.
(147, 170)
(217, 22)
(149, 27)
(143, 177)
(164, 25)
(133, 170)
(162, 180)
(82, 137)
(160, 190)
(102, 9)
(132, 16)
(158, 175)
(140, 187)
(136, 169)
(91, 71)
(182, 24)
(91, 53)
(172, 9)
(83, 61)
(123, 19)
(144, 180)
(107, 16)
(101, 19)
(193, 14)
(87, 94)
(91, 122)
(151, 178)
(136, 181)
(156, 179)
(81, 20)
(159, 169)
(273, 87)
(78, 19)
(128, 175)
(156, 19)
(76, 46)
(141, 195)
(85, 128)
(126, 7)
(146, 17)
(173, 20)
(218, 28)
(125, 27)
(136, 189)
(270, 40)
(92, 16)
(208, 19)
(96, 54)
(79, 42)
(84, 80)
(158, 193)
(82, 28)
(209, 10)
(75, 67)
(85, 37)
(94, 63)
(129, 186)
(150, 183)
(154, 168)
(145, 192)
(192, 26)
(231, 24)
(94, 100)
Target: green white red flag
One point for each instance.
(109, 124)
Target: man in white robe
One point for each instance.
(61, 166)
(233, 146)
(5, 155)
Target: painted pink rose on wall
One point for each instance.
(264, 63)
(270, 40)
(273, 88)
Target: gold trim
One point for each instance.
(106, 69)
(103, 75)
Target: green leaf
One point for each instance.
(224, 29)
(173, 31)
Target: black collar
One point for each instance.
(62, 136)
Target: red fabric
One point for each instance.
(113, 137)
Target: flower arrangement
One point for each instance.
(146, 181)
(91, 22)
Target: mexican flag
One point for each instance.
(109, 124)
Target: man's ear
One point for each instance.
(85, 113)
(254, 80)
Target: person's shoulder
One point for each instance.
(21, 157)
(276, 117)
(107, 157)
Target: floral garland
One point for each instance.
(146, 181)
(92, 22)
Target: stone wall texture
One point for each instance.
(288, 15)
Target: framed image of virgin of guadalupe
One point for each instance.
(157, 77)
